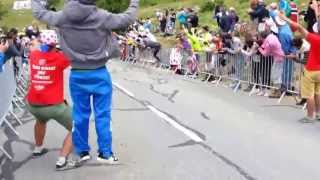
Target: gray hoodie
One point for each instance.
(86, 31)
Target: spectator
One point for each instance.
(284, 6)
(310, 18)
(258, 11)
(155, 46)
(86, 38)
(4, 45)
(294, 14)
(193, 19)
(148, 25)
(45, 96)
(217, 13)
(272, 47)
(225, 22)
(182, 18)
(234, 18)
(163, 23)
(310, 87)
(236, 56)
(300, 56)
(285, 36)
(170, 26)
(176, 58)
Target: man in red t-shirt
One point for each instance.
(310, 83)
(45, 96)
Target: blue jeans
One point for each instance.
(98, 85)
(287, 75)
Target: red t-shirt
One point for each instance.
(313, 63)
(46, 78)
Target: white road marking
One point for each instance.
(165, 117)
(123, 89)
(173, 123)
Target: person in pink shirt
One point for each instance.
(271, 46)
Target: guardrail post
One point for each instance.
(253, 88)
(281, 97)
(6, 153)
(237, 87)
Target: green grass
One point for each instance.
(18, 19)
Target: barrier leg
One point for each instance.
(17, 105)
(6, 153)
(218, 82)
(17, 98)
(252, 90)
(304, 106)
(10, 127)
(208, 77)
(16, 117)
(281, 97)
(237, 87)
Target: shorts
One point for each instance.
(60, 113)
(310, 84)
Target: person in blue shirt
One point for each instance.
(285, 7)
(182, 18)
(285, 36)
(3, 48)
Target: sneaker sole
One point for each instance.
(103, 161)
(84, 159)
(70, 166)
(43, 152)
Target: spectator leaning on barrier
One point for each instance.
(310, 85)
(285, 36)
(236, 55)
(300, 56)
(45, 96)
(153, 44)
(272, 47)
(86, 38)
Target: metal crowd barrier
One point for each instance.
(13, 90)
(236, 69)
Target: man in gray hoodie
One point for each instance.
(86, 38)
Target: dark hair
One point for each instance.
(297, 42)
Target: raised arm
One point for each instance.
(122, 20)
(304, 32)
(44, 15)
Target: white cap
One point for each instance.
(279, 21)
(272, 25)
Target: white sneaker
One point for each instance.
(111, 160)
(39, 151)
(266, 94)
(255, 91)
(261, 93)
(214, 81)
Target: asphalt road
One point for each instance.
(170, 127)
